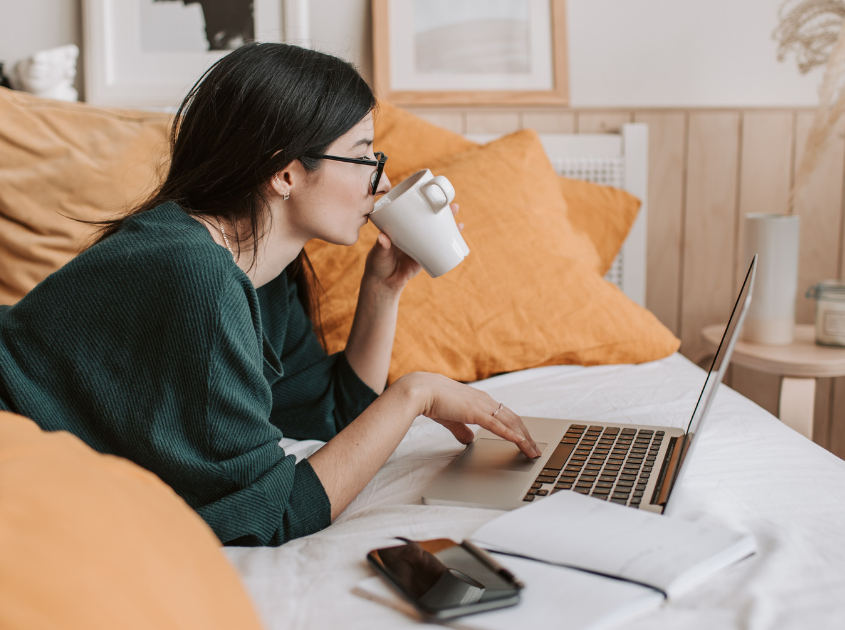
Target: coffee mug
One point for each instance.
(416, 216)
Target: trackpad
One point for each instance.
(497, 455)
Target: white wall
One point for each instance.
(687, 53)
(623, 53)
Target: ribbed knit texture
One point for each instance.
(153, 345)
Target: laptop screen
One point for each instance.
(723, 354)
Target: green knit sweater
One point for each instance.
(153, 345)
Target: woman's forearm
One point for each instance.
(370, 341)
(350, 459)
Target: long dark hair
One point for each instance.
(252, 113)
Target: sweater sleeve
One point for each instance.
(319, 394)
(264, 497)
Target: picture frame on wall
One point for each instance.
(149, 53)
(470, 52)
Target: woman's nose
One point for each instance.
(384, 185)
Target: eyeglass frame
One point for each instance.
(379, 164)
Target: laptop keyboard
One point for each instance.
(608, 463)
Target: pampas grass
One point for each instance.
(814, 30)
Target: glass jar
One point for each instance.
(830, 312)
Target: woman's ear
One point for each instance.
(281, 183)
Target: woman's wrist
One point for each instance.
(380, 292)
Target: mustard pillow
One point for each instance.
(60, 160)
(603, 213)
(93, 541)
(529, 293)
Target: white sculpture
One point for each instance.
(50, 73)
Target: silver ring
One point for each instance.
(501, 406)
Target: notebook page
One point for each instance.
(571, 529)
(553, 597)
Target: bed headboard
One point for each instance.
(611, 159)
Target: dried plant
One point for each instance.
(814, 30)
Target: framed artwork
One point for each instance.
(148, 53)
(470, 52)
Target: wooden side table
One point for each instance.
(800, 364)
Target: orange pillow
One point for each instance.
(529, 293)
(93, 541)
(605, 214)
(66, 159)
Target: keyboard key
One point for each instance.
(624, 486)
(543, 479)
(645, 432)
(611, 430)
(625, 477)
(651, 458)
(536, 485)
(582, 490)
(555, 490)
(661, 433)
(588, 478)
(569, 440)
(620, 495)
(595, 467)
(641, 486)
(619, 501)
(533, 491)
(549, 472)
(600, 497)
(647, 469)
(563, 486)
(529, 497)
(638, 493)
(601, 491)
(635, 502)
(595, 428)
(607, 478)
(559, 457)
(542, 493)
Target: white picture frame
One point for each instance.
(118, 73)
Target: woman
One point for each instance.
(181, 340)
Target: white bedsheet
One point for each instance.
(750, 472)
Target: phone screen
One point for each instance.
(442, 579)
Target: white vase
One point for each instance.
(774, 238)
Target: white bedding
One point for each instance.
(750, 473)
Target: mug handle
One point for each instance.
(439, 192)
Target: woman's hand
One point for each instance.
(455, 406)
(391, 268)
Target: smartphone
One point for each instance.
(443, 579)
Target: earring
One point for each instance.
(287, 195)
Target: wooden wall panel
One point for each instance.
(666, 159)
(766, 148)
(554, 121)
(451, 120)
(498, 122)
(601, 122)
(820, 209)
(709, 225)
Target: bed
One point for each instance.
(751, 473)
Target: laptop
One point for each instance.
(632, 465)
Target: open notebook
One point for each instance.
(589, 564)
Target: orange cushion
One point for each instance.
(92, 542)
(529, 293)
(64, 161)
(605, 214)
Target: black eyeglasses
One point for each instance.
(374, 180)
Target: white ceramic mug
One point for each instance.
(416, 217)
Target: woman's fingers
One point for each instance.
(512, 434)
